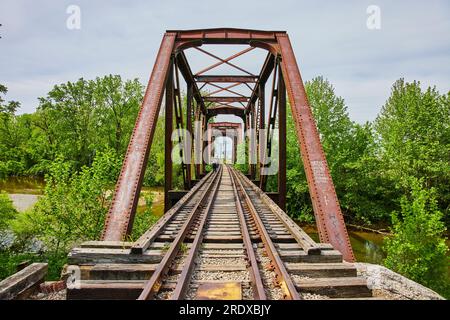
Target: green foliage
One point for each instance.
(143, 220)
(414, 134)
(80, 132)
(350, 149)
(154, 175)
(7, 211)
(74, 203)
(73, 210)
(74, 121)
(14, 132)
(242, 158)
(10, 260)
(417, 249)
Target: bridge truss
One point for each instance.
(281, 66)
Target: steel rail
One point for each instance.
(184, 279)
(153, 285)
(302, 238)
(285, 281)
(140, 245)
(257, 283)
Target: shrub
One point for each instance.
(417, 248)
(7, 211)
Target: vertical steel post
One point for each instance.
(327, 210)
(119, 220)
(168, 128)
(234, 149)
(198, 142)
(188, 140)
(253, 143)
(261, 125)
(281, 143)
(205, 143)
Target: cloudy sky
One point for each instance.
(37, 50)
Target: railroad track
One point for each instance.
(225, 239)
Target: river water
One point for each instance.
(24, 192)
(367, 246)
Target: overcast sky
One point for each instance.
(331, 39)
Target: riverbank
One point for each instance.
(367, 246)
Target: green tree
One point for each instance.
(118, 104)
(154, 174)
(70, 107)
(14, 133)
(351, 152)
(414, 134)
(74, 203)
(417, 249)
(79, 119)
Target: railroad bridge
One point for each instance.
(223, 236)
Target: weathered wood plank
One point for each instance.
(320, 270)
(335, 287)
(326, 256)
(82, 256)
(13, 286)
(120, 290)
(107, 244)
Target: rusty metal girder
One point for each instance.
(119, 220)
(186, 71)
(226, 99)
(330, 221)
(266, 70)
(227, 78)
(212, 112)
(227, 89)
(224, 61)
(226, 35)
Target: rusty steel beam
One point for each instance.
(222, 89)
(188, 143)
(226, 61)
(238, 112)
(186, 72)
(168, 127)
(266, 146)
(226, 35)
(119, 220)
(226, 99)
(226, 79)
(264, 74)
(326, 206)
(281, 144)
(225, 124)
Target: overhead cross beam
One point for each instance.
(226, 61)
(226, 78)
(226, 99)
(265, 73)
(227, 89)
(189, 78)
